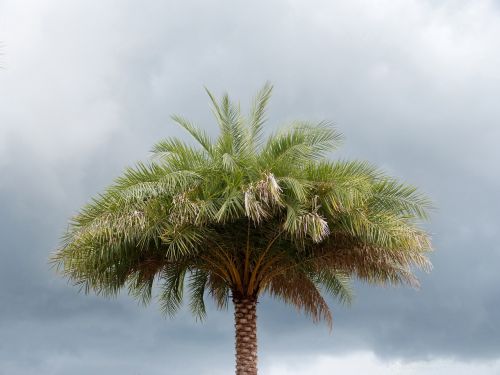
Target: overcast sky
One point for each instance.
(86, 87)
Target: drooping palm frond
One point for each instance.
(296, 289)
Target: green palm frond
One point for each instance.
(173, 276)
(299, 144)
(199, 135)
(334, 283)
(198, 281)
(258, 115)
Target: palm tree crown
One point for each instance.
(240, 216)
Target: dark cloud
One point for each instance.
(87, 88)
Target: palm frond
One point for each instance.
(178, 155)
(392, 196)
(334, 283)
(298, 290)
(198, 280)
(258, 114)
(299, 144)
(199, 135)
(172, 289)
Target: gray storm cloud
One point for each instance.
(87, 87)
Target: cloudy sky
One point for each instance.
(86, 87)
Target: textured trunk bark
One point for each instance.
(245, 323)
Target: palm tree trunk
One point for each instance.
(245, 323)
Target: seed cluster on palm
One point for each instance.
(243, 215)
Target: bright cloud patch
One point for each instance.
(367, 363)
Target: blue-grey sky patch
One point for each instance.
(87, 87)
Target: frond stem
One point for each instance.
(253, 277)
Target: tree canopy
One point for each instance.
(245, 214)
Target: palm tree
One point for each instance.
(243, 216)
